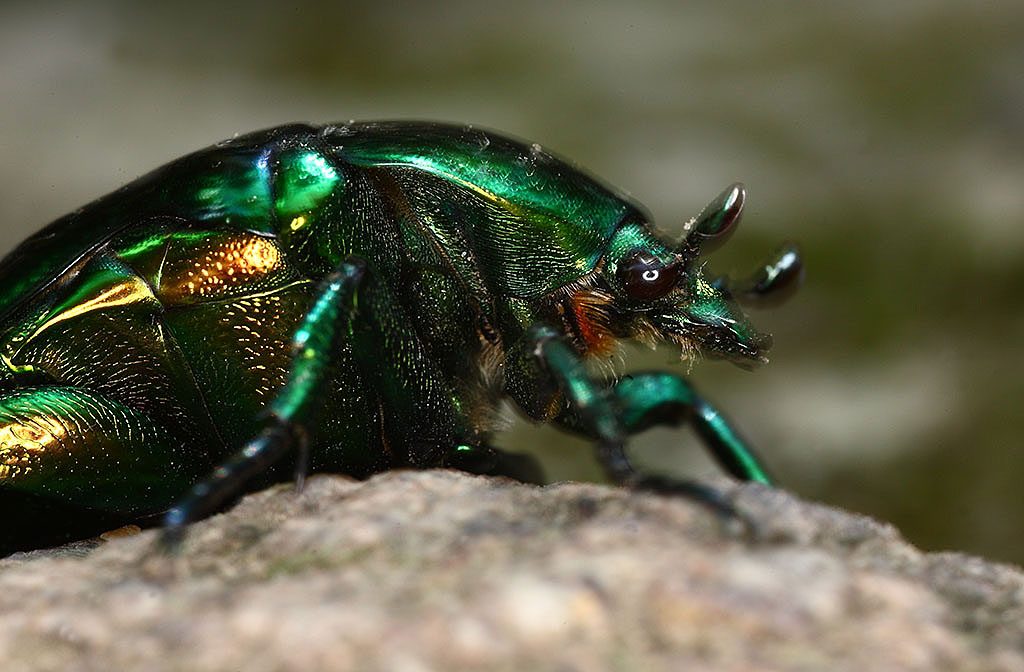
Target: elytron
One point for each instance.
(350, 298)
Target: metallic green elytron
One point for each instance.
(356, 298)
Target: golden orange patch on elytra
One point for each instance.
(221, 266)
(21, 443)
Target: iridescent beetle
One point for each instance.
(358, 296)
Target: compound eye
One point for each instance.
(645, 277)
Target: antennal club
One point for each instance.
(715, 223)
(776, 280)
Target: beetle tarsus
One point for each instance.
(228, 480)
(709, 497)
(172, 535)
(301, 465)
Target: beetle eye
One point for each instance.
(645, 277)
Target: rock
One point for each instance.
(437, 570)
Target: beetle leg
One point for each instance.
(588, 399)
(597, 415)
(660, 398)
(289, 412)
(487, 460)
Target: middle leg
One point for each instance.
(288, 414)
(418, 422)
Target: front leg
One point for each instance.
(544, 373)
(558, 373)
(644, 400)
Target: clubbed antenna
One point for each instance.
(715, 223)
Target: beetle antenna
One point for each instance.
(715, 223)
(775, 281)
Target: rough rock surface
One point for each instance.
(411, 572)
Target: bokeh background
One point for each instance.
(887, 137)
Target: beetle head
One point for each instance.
(662, 292)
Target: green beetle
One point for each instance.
(360, 297)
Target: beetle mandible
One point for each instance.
(360, 296)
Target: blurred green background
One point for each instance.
(887, 137)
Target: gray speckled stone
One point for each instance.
(418, 571)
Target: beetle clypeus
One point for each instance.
(360, 296)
